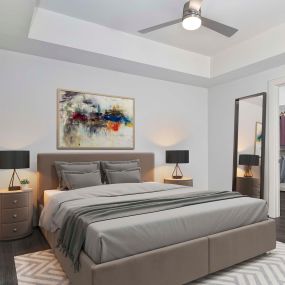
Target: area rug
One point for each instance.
(267, 269)
(39, 268)
(42, 268)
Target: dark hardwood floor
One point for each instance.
(36, 242)
(9, 249)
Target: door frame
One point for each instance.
(272, 155)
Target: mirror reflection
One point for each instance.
(248, 171)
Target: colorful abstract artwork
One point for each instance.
(258, 139)
(93, 121)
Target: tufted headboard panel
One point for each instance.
(47, 177)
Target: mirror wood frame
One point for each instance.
(235, 150)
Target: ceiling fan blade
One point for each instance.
(160, 26)
(195, 4)
(219, 27)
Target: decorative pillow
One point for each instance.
(88, 166)
(75, 179)
(124, 176)
(117, 165)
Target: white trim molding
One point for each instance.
(272, 171)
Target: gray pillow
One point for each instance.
(75, 179)
(124, 176)
(88, 166)
(117, 165)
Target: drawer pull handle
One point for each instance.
(15, 201)
(15, 230)
(15, 216)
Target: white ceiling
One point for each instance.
(238, 58)
(250, 17)
(15, 16)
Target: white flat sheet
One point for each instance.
(50, 193)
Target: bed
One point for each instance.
(219, 236)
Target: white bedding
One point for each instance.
(114, 239)
(50, 193)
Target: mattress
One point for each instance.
(50, 193)
(118, 238)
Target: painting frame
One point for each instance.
(258, 142)
(61, 147)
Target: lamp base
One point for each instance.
(248, 172)
(14, 188)
(11, 184)
(177, 177)
(175, 174)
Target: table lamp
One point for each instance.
(177, 156)
(14, 159)
(248, 160)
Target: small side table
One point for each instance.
(248, 186)
(16, 214)
(184, 181)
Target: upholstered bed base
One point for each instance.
(177, 264)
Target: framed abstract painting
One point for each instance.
(93, 121)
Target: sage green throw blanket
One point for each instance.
(73, 231)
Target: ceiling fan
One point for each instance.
(192, 20)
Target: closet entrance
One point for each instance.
(282, 147)
(274, 150)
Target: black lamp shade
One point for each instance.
(177, 156)
(249, 159)
(14, 159)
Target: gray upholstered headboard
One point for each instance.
(47, 177)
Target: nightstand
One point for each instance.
(248, 186)
(184, 181)
(16, 214)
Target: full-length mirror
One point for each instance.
(249, 145)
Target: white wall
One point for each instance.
(168, 115)
(261, 47)
(221, 122)
(282, 96)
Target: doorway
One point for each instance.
(282, 147)
(273, 146)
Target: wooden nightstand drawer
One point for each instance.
(11, 231)
(16, 214)
(10, 216)
(18, 200)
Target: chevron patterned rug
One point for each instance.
(268, 269)
(39, 268)
(43, 268)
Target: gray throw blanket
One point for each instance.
(73, 232)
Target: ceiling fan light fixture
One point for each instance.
(192, 22)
